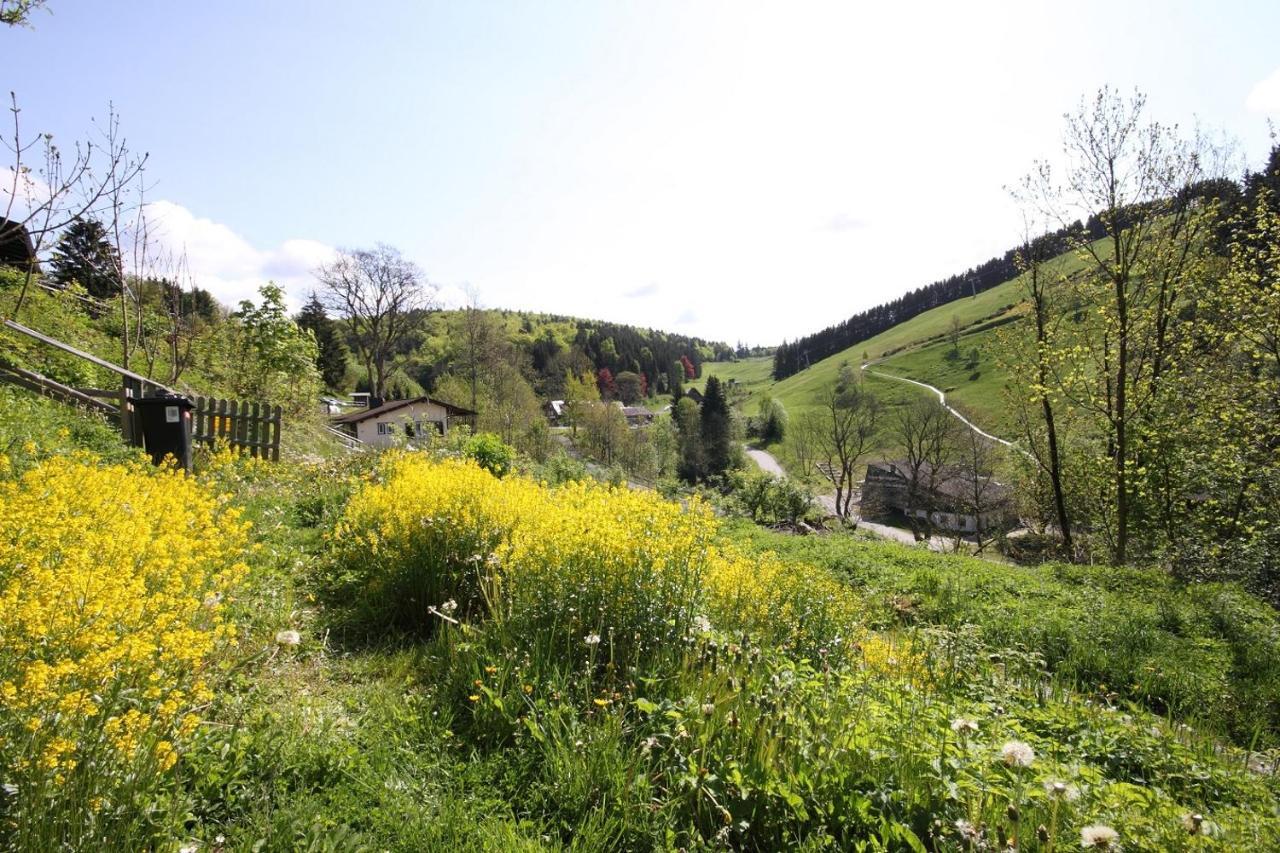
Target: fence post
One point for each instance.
(223, 420)
(275, 435)
(253, 432)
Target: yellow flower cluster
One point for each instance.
(111, 596)
(583, 559)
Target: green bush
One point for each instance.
(490, 452)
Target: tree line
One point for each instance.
(791, 357)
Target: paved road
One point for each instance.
(767, 463)
(770, 465)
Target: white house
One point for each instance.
(379, 426)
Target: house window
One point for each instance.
(386, 429)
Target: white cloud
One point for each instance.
(1265, 96)
(226, 264)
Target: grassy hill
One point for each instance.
(916, 349)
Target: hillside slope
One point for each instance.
(917, 349)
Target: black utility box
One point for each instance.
(165, 424)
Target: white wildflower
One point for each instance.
(288, 638)
(449, 607)
(703, 624)
(1099, 837)
(1061, 790)
(592, 639)
(963, 725)
(1015, 753)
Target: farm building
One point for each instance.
(555, 411)
(947, 497)
(417, 417)
(637, 415)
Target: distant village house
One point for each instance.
(555, 411)
(637, 415)
(946, 498)
(415, 418)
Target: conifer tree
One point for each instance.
(85, 255)
(716, 428)
(331, 352)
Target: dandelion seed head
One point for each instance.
(1015, 753)
(1099, 837)
(288, 638)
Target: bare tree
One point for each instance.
(383, 298)
(843, 430)
(926, 432)
(978, 494)
(45, 191)
(17, 13)
(476, 342)
(1040, 273)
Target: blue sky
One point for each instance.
(744, 171)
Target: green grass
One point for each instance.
(972, 379)
(1128, 686)
(917, 349)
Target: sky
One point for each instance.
(743, 171)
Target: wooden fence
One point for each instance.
(254, 427)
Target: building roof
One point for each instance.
(952, 481)
(694, 394)
(16, 248)
(392, 405)
(636, 412)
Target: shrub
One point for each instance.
(558, 565)
(112, 581)
(767, 499)
(490, 453)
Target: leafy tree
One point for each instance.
(580, 390)
(268, 357)
(605, 382)
(690, 465)
(630, 387)
(604, 431)
(85, 255)
(331, 352)
(477, 344)
(508, 405)
(716, 425)
(690, 371)
(1136, 180)
(675, 380)
(772, 419)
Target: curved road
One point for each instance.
(770, 465)
(942, 399)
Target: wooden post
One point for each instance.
(275, 435)
(253, 432)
